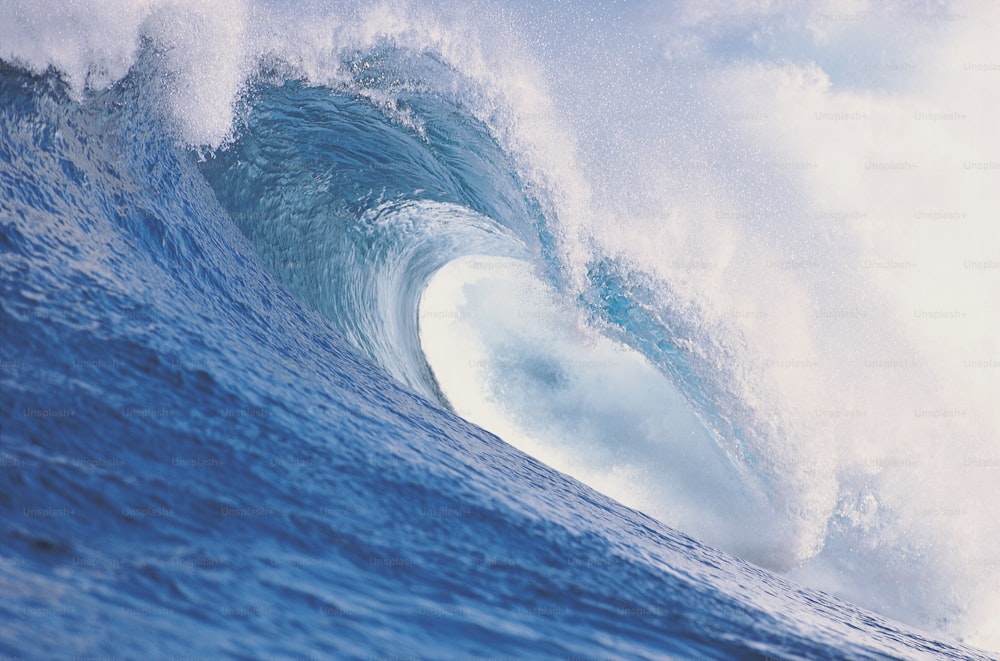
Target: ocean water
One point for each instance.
(499, 330)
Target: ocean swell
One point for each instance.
(807, 273)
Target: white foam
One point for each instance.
(203, 58)
(832, 202)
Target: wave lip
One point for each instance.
(406, 245)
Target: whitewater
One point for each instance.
(499, 330)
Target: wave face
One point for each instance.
(266, 268)
(355, 212)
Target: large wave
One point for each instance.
(774, 224)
